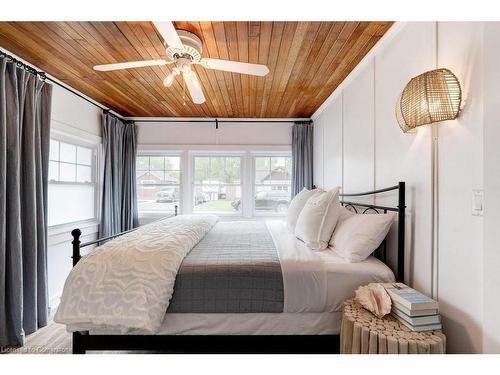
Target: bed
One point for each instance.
(240, 286)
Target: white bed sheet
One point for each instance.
(319, 281)
(247, 324)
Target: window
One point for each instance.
(217, 184)
(158, 184)
(72, 187)
(272, 184)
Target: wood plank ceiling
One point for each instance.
(307, 61)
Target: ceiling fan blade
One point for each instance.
(169, 34)
(235, 67)
(194, 87)
(129, 64)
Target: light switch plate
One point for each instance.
(477, 202)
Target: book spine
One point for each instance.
(417, 321)
(426, 327)
(413, 313)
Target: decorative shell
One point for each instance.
(375, 299)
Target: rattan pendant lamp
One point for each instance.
(430, 97)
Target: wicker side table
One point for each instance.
(363, 333)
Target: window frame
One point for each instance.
(267, 154)
(148, 216)
(95, 176)
(241, 156)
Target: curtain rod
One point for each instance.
(217, 121)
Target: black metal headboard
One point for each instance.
(400, 209)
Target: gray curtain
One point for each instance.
(302, 156)
(119, 195)
(25, 106)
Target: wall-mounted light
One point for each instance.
(430, 97)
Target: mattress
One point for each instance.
(246, 324)
(315, 286)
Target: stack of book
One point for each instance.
(415, 310)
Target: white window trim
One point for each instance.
(255, 154)
(150, 216)
(242, 156)
(94, 143)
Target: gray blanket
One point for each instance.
(234, 269)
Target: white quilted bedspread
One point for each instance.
(127, 283)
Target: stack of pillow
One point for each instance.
(317, 218)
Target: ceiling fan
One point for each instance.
(183, 50)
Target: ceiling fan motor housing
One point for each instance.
(192, 47)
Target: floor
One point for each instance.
(51, 339)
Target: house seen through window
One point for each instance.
(272, 185)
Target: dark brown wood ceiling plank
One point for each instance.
(302, 40)
(211, 51)
(253, 57)
(219, 30)
(322, 70)
(266, 29)
(209, 75)
(284, 52)
(274, 47)
(87, 55)
(49, 59)
(242, 34)
(321, 42)
(231, 38)
(357, 41)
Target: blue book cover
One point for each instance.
(409, 297)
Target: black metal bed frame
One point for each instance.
(265, 344)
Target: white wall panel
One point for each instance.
(358, 132)
(255, 134)
(331, 120)
(69, 110)
(175, 134)
(206, 134)
(318, 154)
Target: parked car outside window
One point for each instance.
(272, 200)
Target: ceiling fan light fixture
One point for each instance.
(169, 79)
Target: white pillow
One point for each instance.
(296, 205)
(357, 236)
(318, 218)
